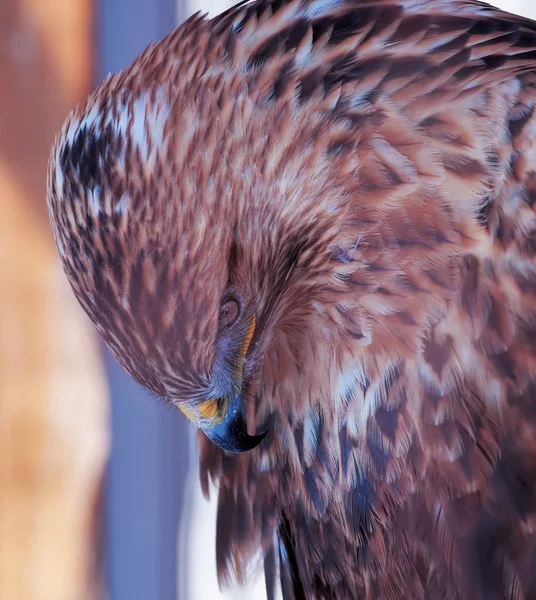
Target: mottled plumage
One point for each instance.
(357, 180)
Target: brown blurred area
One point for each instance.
(53, 396)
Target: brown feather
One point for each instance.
(364, 175)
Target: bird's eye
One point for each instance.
(229, 313)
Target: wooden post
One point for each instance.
(53, 396)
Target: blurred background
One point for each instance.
(99, 493)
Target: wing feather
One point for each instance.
(415, 474)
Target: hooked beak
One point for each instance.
(222, 420)
(231, 433)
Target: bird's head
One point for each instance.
(188, 216)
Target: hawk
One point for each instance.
(310, 225)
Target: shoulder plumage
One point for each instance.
(310, 48)
(434, 279)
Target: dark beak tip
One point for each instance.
(257, 439)
(244, 442)
(231, 433)
(238, 441)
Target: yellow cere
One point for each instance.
(188, 412)
(249, 335)
(209, 409)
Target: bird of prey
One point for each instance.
(311, 226)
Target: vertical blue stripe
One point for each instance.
(149, 457)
